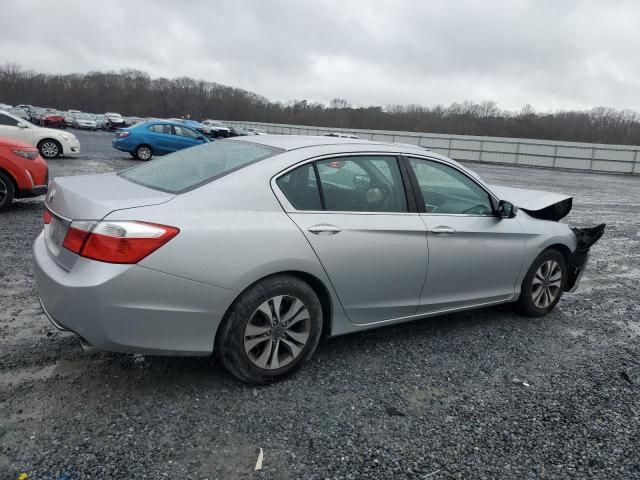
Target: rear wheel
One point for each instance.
(49, 148)
(543, 285)
(144, 152)
(270, 330)
(7, 191)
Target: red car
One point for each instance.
(23, 172)
(53, 120)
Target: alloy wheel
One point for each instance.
(546, 284)
(277, 332)
(49, 149)
(144, 153)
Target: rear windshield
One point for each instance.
(189, 168)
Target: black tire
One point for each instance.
(47, 150)
(530, 303)
(144, 152)
(230, 339)
(7, 191)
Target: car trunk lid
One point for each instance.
(90, 197)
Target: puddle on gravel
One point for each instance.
(62, 368)
(32, 374)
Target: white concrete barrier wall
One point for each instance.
(517, 151)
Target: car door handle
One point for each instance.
(443, 230)
(324, 229)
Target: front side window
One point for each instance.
(446, 190)
(191, 167)
(8, 121)
(347, 184)
(185, 132)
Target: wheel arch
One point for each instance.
(317, 285)
(11, 177)
(52, 139)
(562, 248)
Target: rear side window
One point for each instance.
(159, 128)
(301, 188)
(189, 168)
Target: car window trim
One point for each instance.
(493, 200)
(288, 207)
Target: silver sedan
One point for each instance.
(254, 248)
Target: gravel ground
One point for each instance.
(481, 394)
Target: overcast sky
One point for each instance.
(552, 54)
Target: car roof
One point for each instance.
(295, 142)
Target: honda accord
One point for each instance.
(254, 248)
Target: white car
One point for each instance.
(216, 129)
(50, 142)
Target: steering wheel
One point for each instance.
(481, 209)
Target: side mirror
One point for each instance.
(22, 125)
(506, 209)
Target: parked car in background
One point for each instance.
(50, 142)
(69, 118)
(147, 139)
(18, 112)
(214, 128)
(195, 125)
(53, 119)
(238, 132)
(84, 121)
(23, 172)
(34, 115)
(256, 131)
(333, 236)
(74, 111)
(113, 121)
(99, 118)
(133, 120)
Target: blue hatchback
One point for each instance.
(144, 140)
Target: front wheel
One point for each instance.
(270, 330)
(7, 191)
(49, 149)
(543, 285)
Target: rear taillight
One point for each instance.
(116, 242)
(46, 216)
(122, 134)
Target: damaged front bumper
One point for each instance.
(577, 261)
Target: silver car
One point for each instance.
(254, 248)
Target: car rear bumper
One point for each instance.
(129, 308)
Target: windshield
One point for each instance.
(192, 167)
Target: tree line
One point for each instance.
(135, 93)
